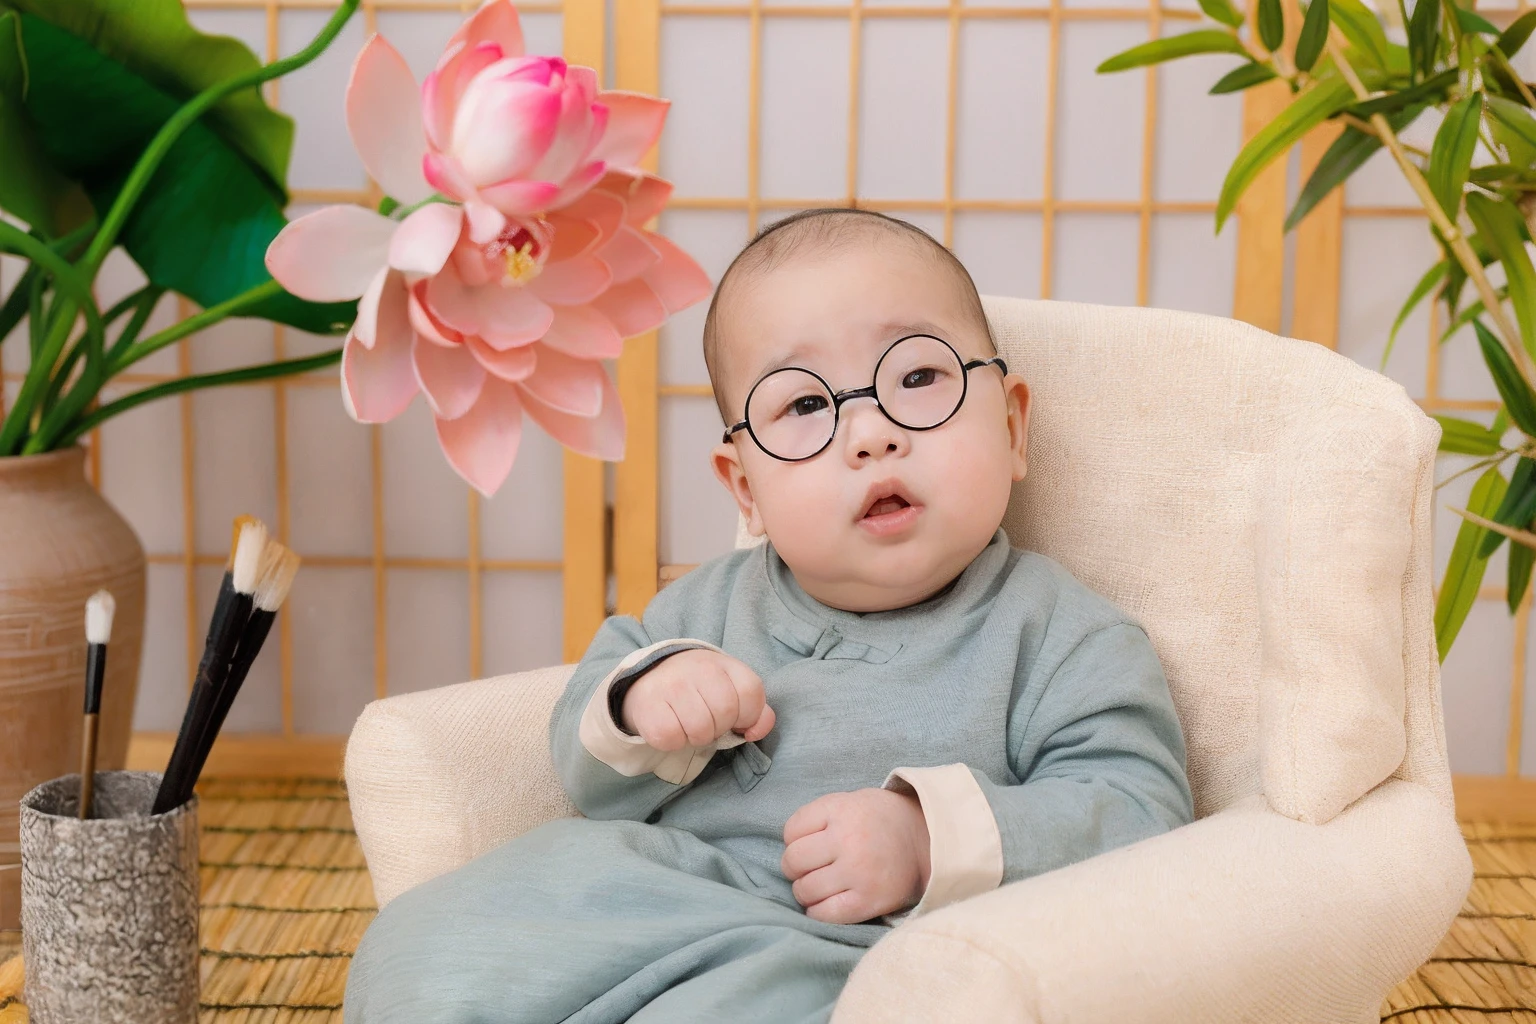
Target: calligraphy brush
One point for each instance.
(230, 612)
(279, 566)
(98, 631)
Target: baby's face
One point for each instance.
(836, 314)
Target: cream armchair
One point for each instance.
(1262, 506)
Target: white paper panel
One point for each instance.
(428, 628)
(804, 108)
(141, 472)
(259, 706)
(426, 505)
(330, 615)
(248, 26)
(525, 519)
(313, 96)
(14, 353)
(1190, 266)
(1475, 681)
(119, 277)
(903, 82)
(230, 344)
(1001, 251)
(420, 36)
(1102, 118)
(1096, 256)
(1001, 110)
(234, 461)
(1198, 135)
(330, 476)
(1463, 374)
(1380, 183)
(1372, 290)
(164, 676)
(523, 616)
(697, 515)
(704, 64)
(713, 237)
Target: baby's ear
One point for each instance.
(725, 459)
(1017, 394)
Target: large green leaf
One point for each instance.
(1271, 24)
(1514, 37)
(1244, 76)
(1222, 11)
(30, 187)
(1516, 509)
(1207, 40)
(1463, 437)
(203, 225)
(1360, 27)
(1450, 159)
(154, 40)
(1517, 396)
(1502, 228)
(1424, 34)
(1464, 572)
(1323, 99)
(1314, 33)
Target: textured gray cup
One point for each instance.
(109, 905)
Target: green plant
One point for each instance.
(1344, 67)
(120, 124)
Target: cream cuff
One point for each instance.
(630, 755)
(965, 849)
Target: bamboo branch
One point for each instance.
(1525, 537)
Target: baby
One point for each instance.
(880, 711)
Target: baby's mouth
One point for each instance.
(895, 503)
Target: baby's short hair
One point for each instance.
(816, 231)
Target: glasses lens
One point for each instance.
(791, 414)
(920, 382)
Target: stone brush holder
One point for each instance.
(109, 905)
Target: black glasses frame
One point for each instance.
(839, 397)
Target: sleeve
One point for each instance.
(607, 771)
(1102, 759)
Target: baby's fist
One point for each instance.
(693, 698)
(855, 856)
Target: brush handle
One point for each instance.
(95, 672)
(256, 630)
(230, 613)
(88, 766)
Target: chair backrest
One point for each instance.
(1261, 506)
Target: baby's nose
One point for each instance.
(871, 434)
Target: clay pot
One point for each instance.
(60, 542)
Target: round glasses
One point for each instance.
(920, 382)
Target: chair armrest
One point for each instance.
(1245, 915)
(438, 777)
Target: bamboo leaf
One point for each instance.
(1450, 159)
(1244, 76)
(1347, 154)
(1463, 437)
(1361, 28)
(1469, 314)
(1426, 284)
(1517, 507)
(1323, 99)
(1518, 32)
(1512, 387)
(1222, 11)
(1424, 34)
(1271, 24)
(1464, 572)
(1471, 21)
(1314, 33)
(1521, 559)
(1208, 40)
(1503, 229)
(1513, 117)
(1431, 90)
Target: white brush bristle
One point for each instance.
(247, 569)
(98, 617)
(277, 573)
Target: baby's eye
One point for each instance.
(807, 405)
(920, 378)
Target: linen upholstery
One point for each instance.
(1262, 505)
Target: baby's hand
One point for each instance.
(695, 697)
(855, 856)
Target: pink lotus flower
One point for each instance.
(485, 327)
(510, 135)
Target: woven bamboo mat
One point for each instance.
(286, 896)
